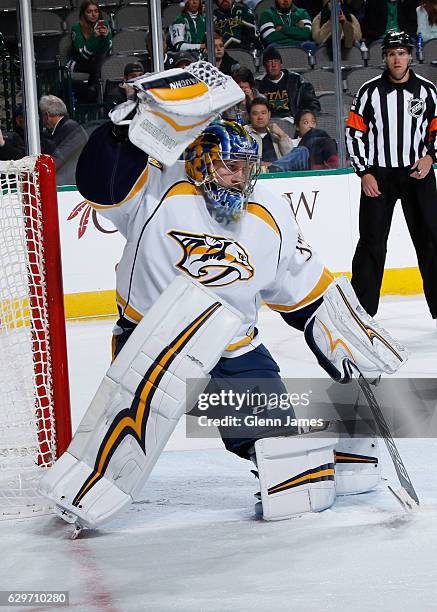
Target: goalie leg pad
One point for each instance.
(340, 332)
(357, 468)
(139, 402)
(296, 475)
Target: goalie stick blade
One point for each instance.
(408, 490)
(404, 499)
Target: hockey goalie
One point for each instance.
(205, 245)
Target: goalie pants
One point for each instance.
(418, 199)
(253, 374)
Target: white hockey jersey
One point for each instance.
(169, 231)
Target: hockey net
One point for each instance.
(34, 400)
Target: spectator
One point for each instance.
(427, 19)
(382, 16)
(12, 144)
(236, 23)
(63, 138)
(122, 91)
(223, 61)
(188, 31)
(286, 91)
(246, 81)
(179, 60)
(92, 41)
(349, 26)
(285, 25)
(276, 147)
(322, 148)
(171, 59)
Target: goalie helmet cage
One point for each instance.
(35, 426)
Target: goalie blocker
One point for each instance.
(139, 403)
(340, 332)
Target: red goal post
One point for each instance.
(35, 423)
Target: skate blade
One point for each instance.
(405, 500)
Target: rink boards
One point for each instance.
(326, 207)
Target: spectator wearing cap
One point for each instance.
(276, 147)
(286, 91)
(63, 138)
(223, 61)
(285, 25)
(122, 91)
(246, 82)
(179, 60)
(236, 23)
(12, 144)
(187, 33)
(92, 41)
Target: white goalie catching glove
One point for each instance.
(341, 333)
(174, 106)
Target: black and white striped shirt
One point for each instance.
(392, 124)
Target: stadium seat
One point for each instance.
(322, 59)
(51, 5)
(375, 54)
(113, 68)
(294, 58)
(8, 5)
(169, 14)
(323, 81)
(132, 18)
(357, 77)
(132, 42)
(352, 58)
(263, 6)
(244, 58)
(430, 50)
(328, 103)
(328, 122)
(427, 71)
(46, 24)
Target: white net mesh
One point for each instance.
(208, 73)
(27, 441)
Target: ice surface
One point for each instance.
(193, 542)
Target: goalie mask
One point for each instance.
(224, 162)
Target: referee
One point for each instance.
(391, 139)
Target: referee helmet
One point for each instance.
(397, 40)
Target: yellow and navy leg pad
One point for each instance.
(357, 468)
(296, 475)
(139, 402)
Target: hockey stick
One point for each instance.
(406, 495)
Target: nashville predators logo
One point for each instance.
(214, 261)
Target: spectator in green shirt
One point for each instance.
(381, 16)
(236, 23)
(285, 25)
(92, 41)
(187, 33)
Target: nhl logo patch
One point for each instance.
(416, 106)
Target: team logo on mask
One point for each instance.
(416, 106)
(213, 261)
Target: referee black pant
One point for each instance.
(419, 203)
